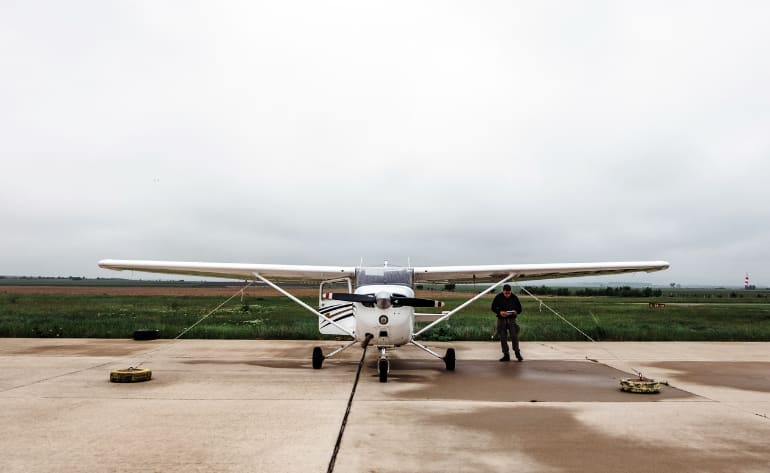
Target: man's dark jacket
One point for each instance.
(500, 302)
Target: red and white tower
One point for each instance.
(746, 281)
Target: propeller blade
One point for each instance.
(371, 299)
(416, 302)
(347, 297)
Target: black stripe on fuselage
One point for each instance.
(325, 324)
(330, 308)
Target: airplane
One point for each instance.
(380, 309)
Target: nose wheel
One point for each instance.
(383, 366)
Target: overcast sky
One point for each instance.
(444, 132)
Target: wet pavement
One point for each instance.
(236, 405)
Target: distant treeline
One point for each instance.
(109, 282)
(625, 291)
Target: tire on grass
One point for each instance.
(640, 386)
(146, 334)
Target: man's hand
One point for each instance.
(503, 313)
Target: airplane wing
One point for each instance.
(232, 270)
(478, 273)
(523, 272)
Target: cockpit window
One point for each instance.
(394, 276)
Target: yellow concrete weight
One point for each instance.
(130, 375)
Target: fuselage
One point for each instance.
(388, 325)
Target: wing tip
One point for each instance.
(106, 263)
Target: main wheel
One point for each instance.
(318, 358)
(449, 359)
(382, 367)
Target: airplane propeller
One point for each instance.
(395, 300)
(415, 302)
(347, 297)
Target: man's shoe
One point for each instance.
(506, 357)
(518, 356)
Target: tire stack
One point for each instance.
(640, 385)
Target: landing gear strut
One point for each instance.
(449, 358)
(319, 357)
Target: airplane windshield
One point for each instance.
(394, 276)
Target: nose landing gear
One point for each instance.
(383, 366)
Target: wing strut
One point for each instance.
(462, 306)
(290, 296)
(423, 347)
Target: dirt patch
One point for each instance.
(155, 291)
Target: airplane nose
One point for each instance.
(382, 300)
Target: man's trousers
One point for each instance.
(507, 325)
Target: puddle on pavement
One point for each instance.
(530, 381)
(744, 375)
(87, 348)
(557, 440)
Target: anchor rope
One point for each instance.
(212, 311)
(617, 357)
(611, 353)
(341, 432)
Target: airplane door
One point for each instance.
(339, 311)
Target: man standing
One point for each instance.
(507, 307)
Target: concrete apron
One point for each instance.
(218, 405)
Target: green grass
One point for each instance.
(104, 316)
(603, 318)
(617, 319)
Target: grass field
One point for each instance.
(695, 315)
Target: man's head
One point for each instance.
(507, 290)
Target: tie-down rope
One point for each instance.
(239, 291)
(614, 355)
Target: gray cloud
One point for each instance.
(442, 132)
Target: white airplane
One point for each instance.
(380, 310)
